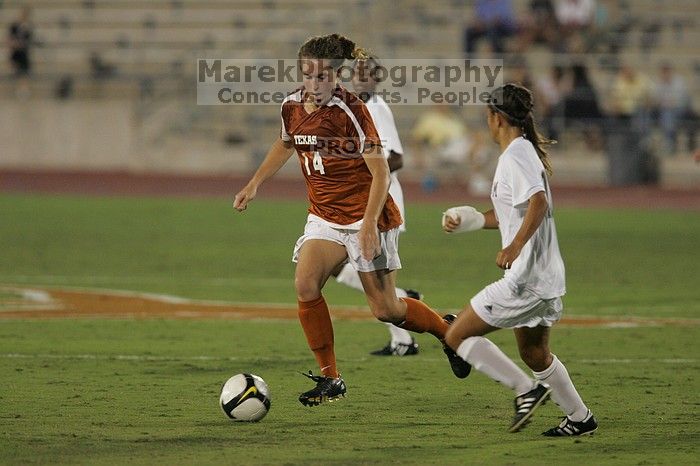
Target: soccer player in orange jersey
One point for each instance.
(351, 216)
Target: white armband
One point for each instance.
(469, 218)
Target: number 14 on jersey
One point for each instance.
(316, 163)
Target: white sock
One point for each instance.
(399, 335)
(348, 276)
(564, 393)
(488, 358)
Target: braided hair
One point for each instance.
(515, 103)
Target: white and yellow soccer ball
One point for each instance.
(245, 397)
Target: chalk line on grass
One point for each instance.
(76, 302)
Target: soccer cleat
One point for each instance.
(569, 428)
(526, 404)
(326, 389)
(460, 367)
(417, 295)
(401, 349)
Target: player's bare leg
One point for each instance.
(379, 287)
(316, 261)
(401, 342)
(533, 344)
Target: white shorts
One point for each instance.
(388, 259)
(501, 304)
(397, 195)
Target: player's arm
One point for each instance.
(536, 210)
(276, 157)
(467, 218)
(379, 168)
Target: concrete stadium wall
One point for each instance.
(104, 135)
(108, 135)
(52, 134)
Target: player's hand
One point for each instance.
(370, 245)
(462, 219)
(247, 194)
(450, 224)
(507, 255)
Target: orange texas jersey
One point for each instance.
(329, 143)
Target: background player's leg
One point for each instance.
(316, 261)
(408, 313)
(348, 276)
(400, 338)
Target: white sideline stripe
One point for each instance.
(139, 357)
(634, 361)
(37, 296)
(31, 292)
(139, 279)
(30, 281)
(165, 298)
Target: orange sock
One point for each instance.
(316, 322)
(420, 318)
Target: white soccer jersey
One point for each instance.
(386, 128)
(520, 174)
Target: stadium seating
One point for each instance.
(149, 48)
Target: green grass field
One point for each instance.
(111, 391)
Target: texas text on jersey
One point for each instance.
(330, 142)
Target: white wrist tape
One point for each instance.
(470, 219)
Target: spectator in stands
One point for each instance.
(574, 18)
(540, 25)
(627, 134)
(630, 93)
(581, 107)
(614, 21)
(494, 20)
(99, 69)
(672, 104)
(442, 140)
(19, 43)
(549, 95)
(575, 15)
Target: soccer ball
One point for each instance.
(245, 397)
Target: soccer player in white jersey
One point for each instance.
(364, 84)
(528, 297)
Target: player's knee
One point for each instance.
(385, 312)
(382, 314)
(307, 290)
